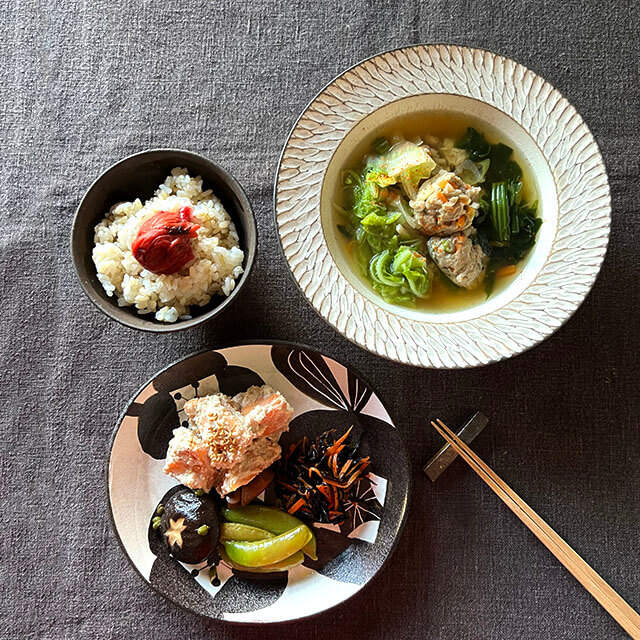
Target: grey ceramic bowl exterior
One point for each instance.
(138, 176)
(501, 98)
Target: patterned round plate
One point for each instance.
(499, 97)
(324, 394)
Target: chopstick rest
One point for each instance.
(447, 453)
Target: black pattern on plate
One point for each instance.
(158, 415)
(239, 595)
(309, 372)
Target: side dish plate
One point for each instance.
(495, 94)
(325, 394)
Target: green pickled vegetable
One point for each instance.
(271, 520)
(262, 517)
(311, 548)
(237, 531)
(284, 565)
(270, 550)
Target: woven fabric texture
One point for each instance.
(85, 84)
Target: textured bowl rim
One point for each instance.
(106, 306)
(380, 347)
(245, 343)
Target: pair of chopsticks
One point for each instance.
(615, 605)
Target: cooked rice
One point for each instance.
(214, 269)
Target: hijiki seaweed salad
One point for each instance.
(437, 211)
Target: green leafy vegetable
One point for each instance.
(400, 274)
(500, 212)
(388, 247)
(490, 277)
(501, 167)
(380, 145)
(474, 142)
(523, 240)
(510, 226)
(413, 266)
(405, 162)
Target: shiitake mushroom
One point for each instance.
(189, 525)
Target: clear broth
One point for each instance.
(445, 296)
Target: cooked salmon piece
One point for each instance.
(229, 440)
(262, 453)
(188, 461)
(266, 410)
(221, 427)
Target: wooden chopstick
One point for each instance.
(612, 602)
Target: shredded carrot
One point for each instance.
(314, 470)
(335, 446)
(442, 184)
(363, 464)
(442, 197)
(345, 466)
(352, 479)
(509, 270)
(297, 505)
(461, 220)
(334, 464)
(338, 485)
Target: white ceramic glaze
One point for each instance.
(501, 98)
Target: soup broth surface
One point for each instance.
(445, 296)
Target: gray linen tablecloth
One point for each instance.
(87, 83)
